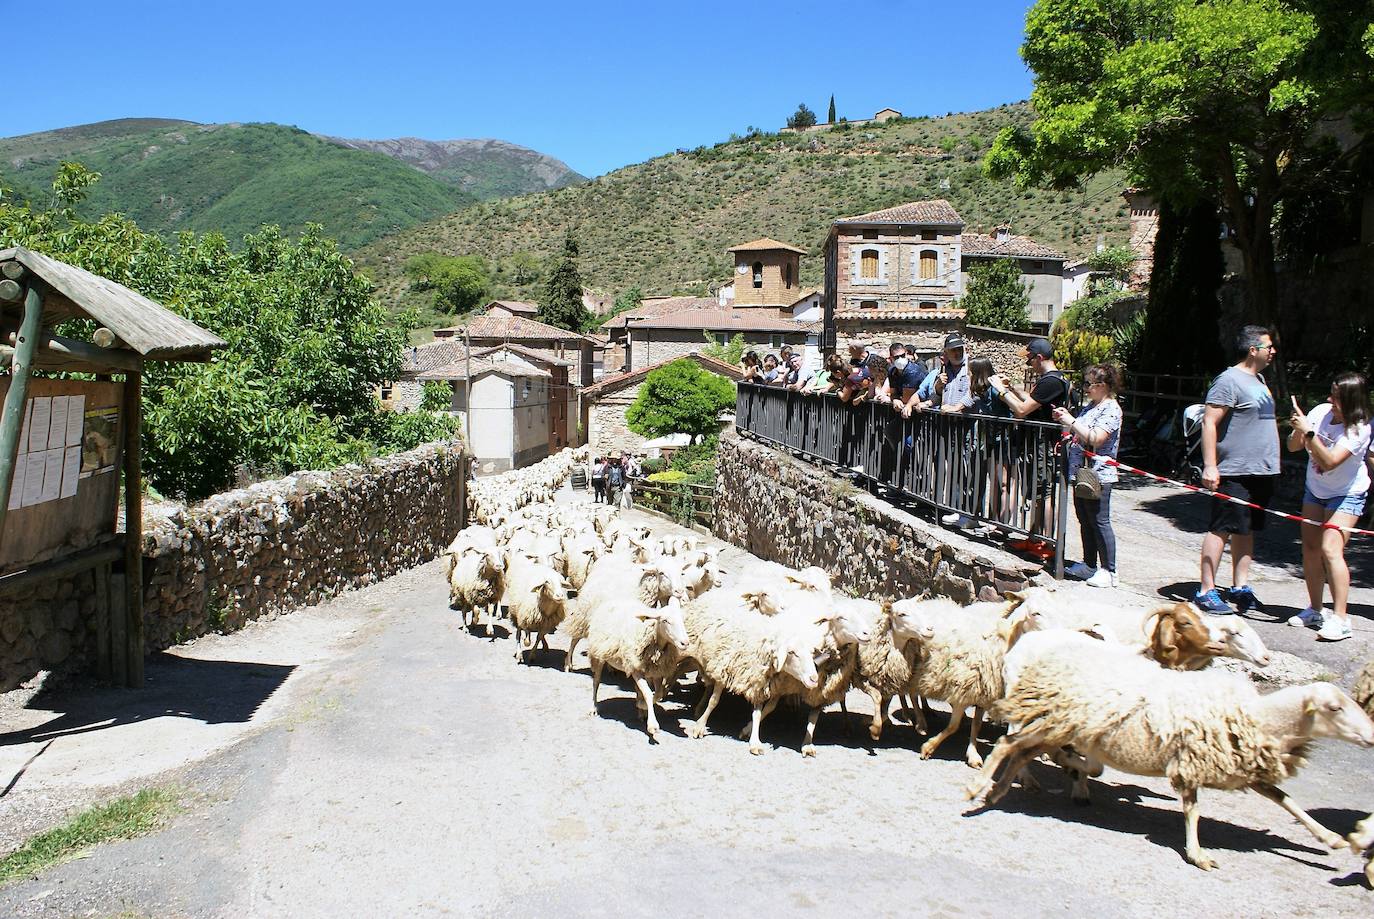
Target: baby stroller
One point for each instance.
(1190, 467)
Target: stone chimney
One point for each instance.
(1002, 234)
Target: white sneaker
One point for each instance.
(950, 519)
(1337, 628)
(1311, 618)
(1080, 571)
(1102, 578)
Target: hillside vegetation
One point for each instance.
(483, 168)
(663, 225)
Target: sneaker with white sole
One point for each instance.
(1309, 618)
(1337, 628)
(1080, 571)
(1102, 578)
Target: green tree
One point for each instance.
(629, 299)
(524, 267)
(680, 398)
(1182, 316)
(996, 297)
(460, 283)
(830, 113)
(1200, 99)
(730, 352)
(803, 117)
(1114, 264)
(562, 303)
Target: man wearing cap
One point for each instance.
(952, 384)
(1051, 390)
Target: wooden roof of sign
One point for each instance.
(149, 328)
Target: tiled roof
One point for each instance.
(981, 244)
(660, 306)
(516, 306)
(936, 211)
(459, 370)
(744, 319)
(419, 358)
(809, 292)
(888, 315)
(621, 380)
(513, 327)
(760, 245)
(534, 354)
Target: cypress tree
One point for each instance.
(1181, 333)
(830, 115)
(561, 305)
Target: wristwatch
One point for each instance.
(1309, 434)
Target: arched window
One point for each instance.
(758, 274)
(868, 263)
(930, 264)
(927, 305)
(868, 304)
(787, 276)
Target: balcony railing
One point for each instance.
(999, 472)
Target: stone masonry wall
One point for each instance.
(790, 512)
(250, 554)
(1001, 347)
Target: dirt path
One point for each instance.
(403, 767)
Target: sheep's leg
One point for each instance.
(543, 643)
(875, 730)
(844, 710)
(567, 660)
(972, 757)
(1284, 800)
(809, 746)
(647, 692)
(914, 716)
(596, 681)
(1362, 837)
(768, 707)
(1020, 749)
(698, 728)
(518, 644)
(755, 747)
(706, 687)
(956, 718)
(1193, 851)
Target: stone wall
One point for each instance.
(1001, 347)
(790, 512)
(252, 553)
(607, 430)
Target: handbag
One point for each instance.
(1086, 484)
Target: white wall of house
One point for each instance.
(809, 309)
(1075, 282)
(510, 420)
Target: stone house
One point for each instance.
(655, 339)
(1041, 268)
(767, 273)
(487, 331)
(509, 423)
(617, 327)
(511, 308)
(406, 392)
(604, 404)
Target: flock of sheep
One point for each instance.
(1068, 684)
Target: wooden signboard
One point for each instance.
(65, 492)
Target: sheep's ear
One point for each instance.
(1165, 642)
(779, 657)
(752, 597)
(827, 616)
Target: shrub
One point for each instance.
(670, 475)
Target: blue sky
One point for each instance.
(596, 84)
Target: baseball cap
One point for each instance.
(1040, 346)
(954, 340)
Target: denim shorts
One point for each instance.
(1341, 504)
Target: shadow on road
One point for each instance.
(214, 692)
(1272, 612)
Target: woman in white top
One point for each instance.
(1336, 436)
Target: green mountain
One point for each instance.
(664, 225)
(484, 169)
(171, 175)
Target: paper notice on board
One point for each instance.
(52, 475)
(71, 470)
(76, 414)
(34, 465)
(28, 420)
(42, 418)
(17, 485)
(57, 428)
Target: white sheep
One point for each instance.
(611, 578)
(536, 600)
(580, 551)
(747, 653)
(887, 664)
(700, 571)
(643, 642)
(1362, 837)
(963, 661)
(477, 581)
(1199, 729)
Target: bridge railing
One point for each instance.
(1008, 473)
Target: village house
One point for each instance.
(511, 308)
(407, 391)
(563, 395)
(501, 328)
(654, 339)
(508, 427)
(1041, 269)
(604, 405)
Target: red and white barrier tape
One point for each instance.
(1112, 461)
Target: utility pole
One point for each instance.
(467, 385)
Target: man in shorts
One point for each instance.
(1240, 455)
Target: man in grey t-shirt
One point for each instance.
(1240, 455)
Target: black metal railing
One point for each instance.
(1002, 472)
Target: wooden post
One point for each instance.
(133, 529)
(12, 423)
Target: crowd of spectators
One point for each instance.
(612, 479)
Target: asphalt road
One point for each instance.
(405, 768)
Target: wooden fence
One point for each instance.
(682, 502)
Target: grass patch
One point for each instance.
(122, 818)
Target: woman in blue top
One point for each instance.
(1098, 429)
